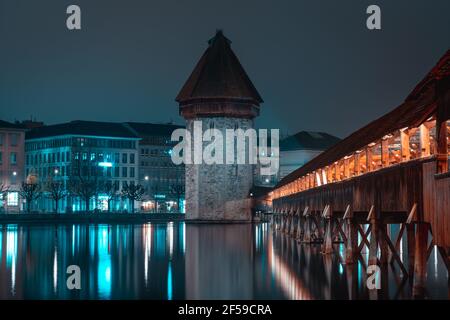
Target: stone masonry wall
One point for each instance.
(209, 187)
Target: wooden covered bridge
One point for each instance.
(392, 171)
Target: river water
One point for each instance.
(186, 261)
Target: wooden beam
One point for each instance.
(442, 115)
(420, 261)
(346, 168)
(385, 153)
(369, 165)
(356, 167)
(328, 237)
(404, 142)
(424, 140)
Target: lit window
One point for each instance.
(13, 158)
(13, 199)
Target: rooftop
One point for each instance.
(219, 74)
(83, 128)
(419, 106)
(153, 129)
(9, 125)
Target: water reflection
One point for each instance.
(179, 261)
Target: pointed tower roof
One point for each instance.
(219, 74)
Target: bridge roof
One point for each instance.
(417, 108)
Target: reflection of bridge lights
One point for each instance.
(147, 248)
(55, 270)
(170, 237)
(289, 281)
(11, 253)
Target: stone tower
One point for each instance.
(220, 94)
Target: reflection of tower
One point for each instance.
(219, 261)
(220, 94)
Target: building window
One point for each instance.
(124, 172)
(116, 172)
(1, 138)
(84, 155)
(124, 158)
(14, 137)
(116, 157)
(131, 157)
(13, 158)
(13, 199)
(93, 156)
(131, 172)
(1, 157)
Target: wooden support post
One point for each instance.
(351, 247)
(424, 140)
(442, 115)
(404, 142)
(328, 239)
(385, 153)
(420, 261)
(346, 168)
(356, 167)
(373, 247)
(410, 230)
(293, 222)
(298, 232)
(369, 165)
(307, 226)
(384, 249)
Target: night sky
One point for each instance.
(315, 63)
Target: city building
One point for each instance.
(12, 137)
(163, 181)
(220, 94)
(298, 149)
(93, 162)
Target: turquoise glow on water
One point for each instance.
(104, 264)
(172, 261)
(169, 282)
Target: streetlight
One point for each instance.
(15, 173)
(56, 171)
(146, 178)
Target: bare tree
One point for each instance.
(133, 193)
(3, 191)
(111, 190)
(56, 191)
(177, 190)
(84, 181)
(30, 192)
(84, 188)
